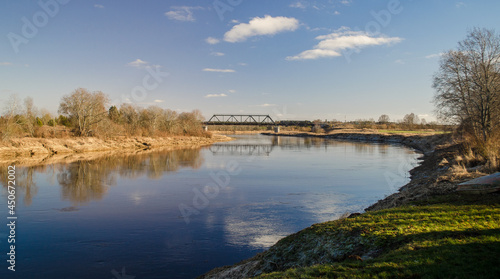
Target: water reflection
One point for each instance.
(242, 149)
(285, 184)
(256, 146)
(88, 180)
(25, 182)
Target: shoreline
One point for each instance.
(423, 143)
(430, 179)
(35, 151)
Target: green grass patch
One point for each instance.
(447, 237)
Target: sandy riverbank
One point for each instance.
(30, 151)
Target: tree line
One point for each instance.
(84, 113)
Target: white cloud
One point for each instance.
(345, 2)
(435, 55)
(215, 95)
(399, 61)
(141, 64)
(298, 5)
(242, 64)
(159, 101)
(342, 39)
(459, 5)
(138, 63)
(217, 54)
(212, 40)
(219, 70)
(99, 6)
(5, 64)
(336, 13)
(231, 91)
(266, 105)
(182, 13)
(257, 26)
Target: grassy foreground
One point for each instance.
(449, 237)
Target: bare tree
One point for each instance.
(410, 120)
(155, 114)
(130, 117)
(85, 109)
(468, 84)
(12, 108)
(169, 121)
(190, 122)
(383, 119)
(30, 113)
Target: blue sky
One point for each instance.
(339, 59)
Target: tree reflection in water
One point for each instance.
(87, 180)
(25, 183)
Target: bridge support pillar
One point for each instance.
(276, 129)
(205, 128)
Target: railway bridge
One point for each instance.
(254, 120)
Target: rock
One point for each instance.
(481, 185)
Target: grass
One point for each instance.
(448, 237)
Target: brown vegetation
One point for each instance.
(85, 113)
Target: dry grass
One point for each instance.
(40, 149)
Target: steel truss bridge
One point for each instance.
(253, 120)
(241, 119)
(241, 149)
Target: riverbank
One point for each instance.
(425, 229)
(30, 151)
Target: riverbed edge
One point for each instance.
(33, 151)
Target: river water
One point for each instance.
(178, 214)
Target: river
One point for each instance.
(178, 214)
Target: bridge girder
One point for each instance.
(240, 119)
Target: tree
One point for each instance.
(29, 115)
(130, 117)
(468, 84)
(169, 122)
(383, 119)
(190, 122)
(85, 109)
(11, 108)
(410, 120)
(46, 116)
(114, 114)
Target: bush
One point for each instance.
(39, 122)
